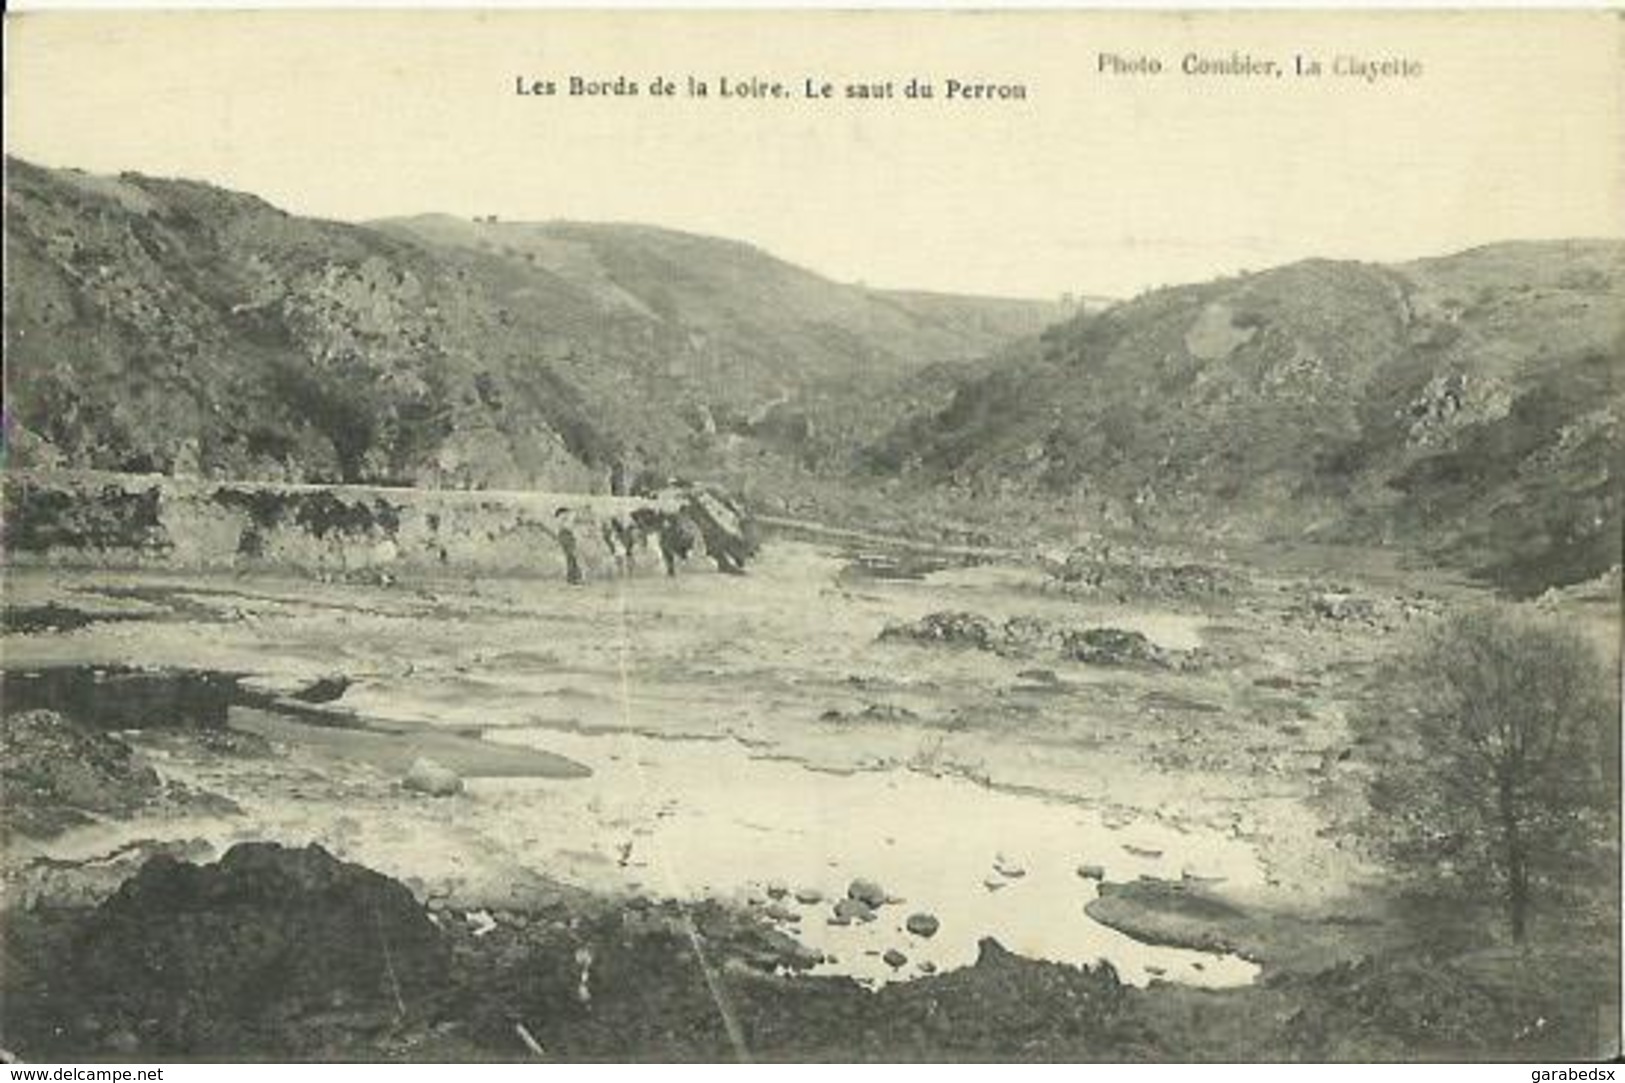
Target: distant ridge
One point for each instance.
(173, 326)
(1470, 404)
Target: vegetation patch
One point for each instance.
(40, 517)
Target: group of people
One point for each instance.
(679, 517)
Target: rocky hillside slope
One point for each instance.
(170, 326)
(1469, 404)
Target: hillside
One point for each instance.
(740, 345)
(1468, 404)
(171, 326)
(754, 327)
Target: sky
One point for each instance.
(1093, 183)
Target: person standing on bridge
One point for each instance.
(676, 538)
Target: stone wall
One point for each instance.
(124, 520)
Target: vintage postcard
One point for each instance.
(812, 536)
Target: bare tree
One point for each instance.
(1501, 759)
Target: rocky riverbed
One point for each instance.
(710, 816)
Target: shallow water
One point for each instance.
(684, 820)
(747, 657)
(687, 699)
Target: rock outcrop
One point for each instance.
(56, 773)
(228, 958)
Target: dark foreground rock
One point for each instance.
(238, 957)
(278, 953)
(290, 954)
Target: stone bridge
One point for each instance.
(88, 518)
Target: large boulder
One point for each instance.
(434, 779)
(230, 957)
